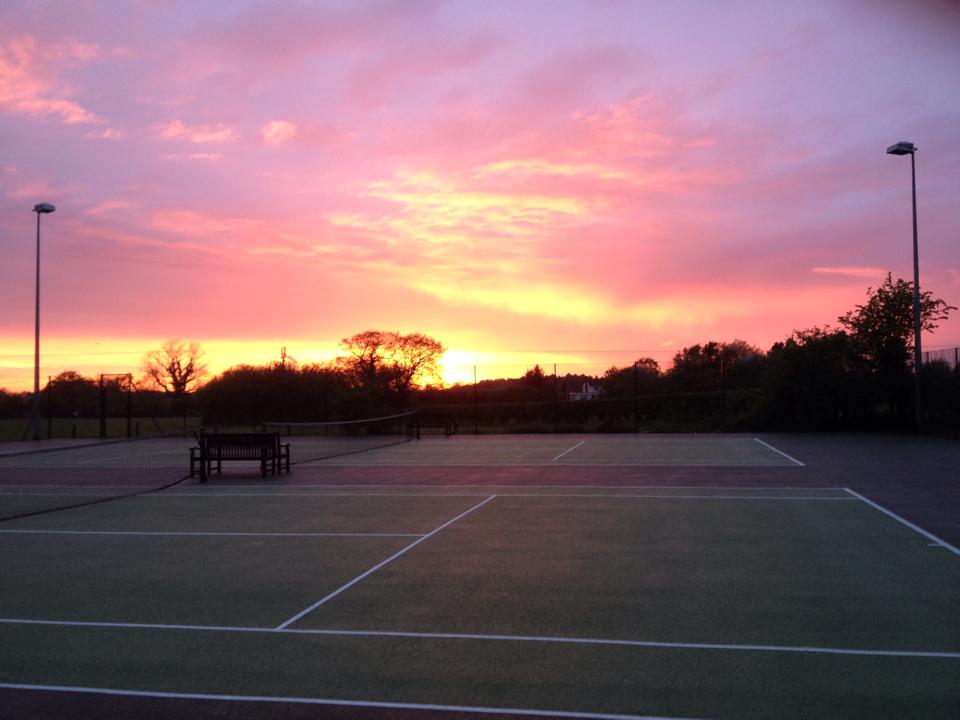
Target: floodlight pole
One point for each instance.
(39, 209)
(917, 325)
(908, 148)
(35, 414)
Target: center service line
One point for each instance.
(379, 565)
(779, 452)
(568, 450)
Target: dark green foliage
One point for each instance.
(278, 392)
(883, 327)
(941, 385)
(71, 394)
(388, 365)
(812, 381)
(882, 333)
(643, 377)
(13, 405)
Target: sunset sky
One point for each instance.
(529, 182)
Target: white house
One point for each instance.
(587, 392)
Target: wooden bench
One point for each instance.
(264, 447)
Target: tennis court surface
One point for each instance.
(714, 576)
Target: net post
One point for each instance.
(129, 405)
(556, 402)
(103, 409)
(49, 407)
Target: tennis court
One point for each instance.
(559, 576)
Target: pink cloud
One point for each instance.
(213, 133)
(276, 132)
(572, 79)
(398, 66)
(871, 273)
(273, 38)
(30, 83)
(30, 186)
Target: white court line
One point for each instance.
(550, 639)
(568, 450)
(205, 534)
(915, 528)
(70, 494)
(332, 701)
(379, 565)
(781, 452)
(491, 486)
(329, 465)
(509, 495)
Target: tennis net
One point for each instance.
(38, 477)
(314, 441)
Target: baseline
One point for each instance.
(529, 495)
(333, 701)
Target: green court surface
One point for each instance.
(677, 602)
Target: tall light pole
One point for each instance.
(908, 148)
(39, 209)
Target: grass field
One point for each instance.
(89, 428)
(767, 591)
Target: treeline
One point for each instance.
(73, 395)
(857, 375)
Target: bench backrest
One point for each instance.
(239, 444)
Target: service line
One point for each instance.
(164, 533)
(481, 637)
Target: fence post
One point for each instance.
(476, 404)
(49, 407)
(723, 399)
(129, 405)
(556, 402)
(103, 409)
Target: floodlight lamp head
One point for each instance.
(902, 148)
(43, 208)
